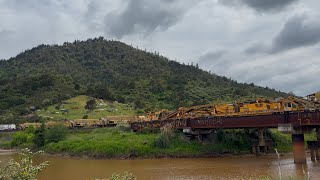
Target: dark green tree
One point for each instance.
(55, 134)
(90, 105)
(39, 135)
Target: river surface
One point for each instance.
(254, 167)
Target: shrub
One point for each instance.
(19, 138)
(55, 134)
(124, 128)
(23, 169)
(30, 130)
(163, 141)
(39, 136)
(91, 105)
(85, 116)
(148, 130)
(57, 107)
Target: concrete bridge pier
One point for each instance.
(317, 155)
(313, 154)
(299, 152)
(262, 144)
(317, 151)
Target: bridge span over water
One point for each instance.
(295, 123)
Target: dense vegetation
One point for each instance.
(120, 142)
(111, 70)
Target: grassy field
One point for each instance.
(74, 109)
(121, 143)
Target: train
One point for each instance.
(109, 121)
(242, 108)
(73, 124)
(7, 127)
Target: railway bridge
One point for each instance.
(294, 123)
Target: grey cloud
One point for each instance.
(211, 55)
(6, 45)
(280, 71)
(256, 48)
(260, 5)
(41, 7)
(297, 32)
(210, 58)
(268, 5)
(91, 16)
(144, 16)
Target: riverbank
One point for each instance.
(121, 143)
(8, 150)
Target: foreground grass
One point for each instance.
(118, 143)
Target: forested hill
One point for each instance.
(111, 70)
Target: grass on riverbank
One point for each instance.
(119, 143)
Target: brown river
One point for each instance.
(246, 167)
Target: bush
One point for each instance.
(39, 136)
(124, 128)
(57, 107)
(23, 169)
(85, 116)
(231, 140)
(21, 139)
(149, 130)
(30, 130)
(163, 141)
(91, 105)
(55, 134)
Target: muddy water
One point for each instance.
(194, 168)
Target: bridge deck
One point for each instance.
(301, 119)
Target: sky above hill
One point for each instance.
(272, 43)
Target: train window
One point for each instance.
(294, 106)
(289, 105)
(268, 106)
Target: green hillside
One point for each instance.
(74, 108)
(113, 71)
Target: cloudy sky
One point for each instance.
(274, 43)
